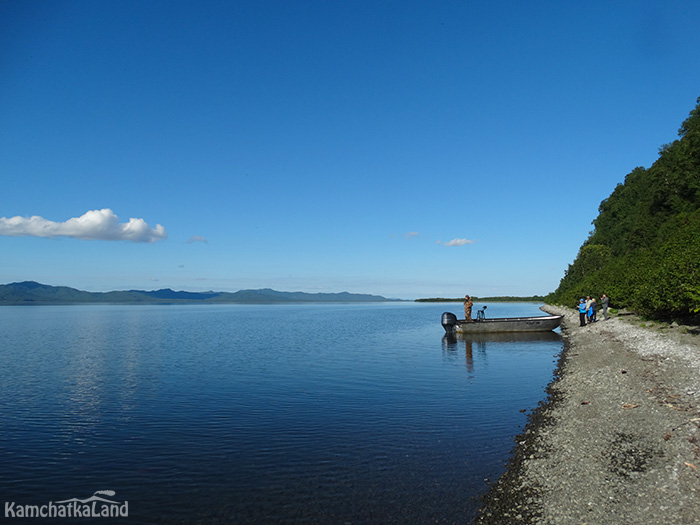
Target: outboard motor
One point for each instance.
(449, 321)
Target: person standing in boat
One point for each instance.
(468, 303)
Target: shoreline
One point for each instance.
(617, 441)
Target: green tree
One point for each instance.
(644, 250)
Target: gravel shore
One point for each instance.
(618, 440)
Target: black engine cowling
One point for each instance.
(449, 320)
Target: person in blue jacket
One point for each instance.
(592, 309)
(582, 312)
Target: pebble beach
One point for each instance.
(618, 439)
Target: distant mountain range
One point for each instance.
(30, 292)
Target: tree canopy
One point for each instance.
(644, 250)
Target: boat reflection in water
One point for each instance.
(453, 342)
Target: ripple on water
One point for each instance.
(284, 413)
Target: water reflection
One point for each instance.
(452, 342)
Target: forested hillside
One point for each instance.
(644, 250)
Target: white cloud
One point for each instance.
(94, 225)
(457, 242)
(409, 235)
(196, 238)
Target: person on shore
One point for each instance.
(604, 302)
(468, 303)
(588, 309)
(592, 310)
(582, 312)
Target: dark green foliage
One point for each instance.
(644, 251)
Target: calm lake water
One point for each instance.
(352, 413)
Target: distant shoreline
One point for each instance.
(501, 299)
(33, 293)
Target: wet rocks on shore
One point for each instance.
(618, 439)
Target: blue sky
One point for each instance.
(402, 148)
